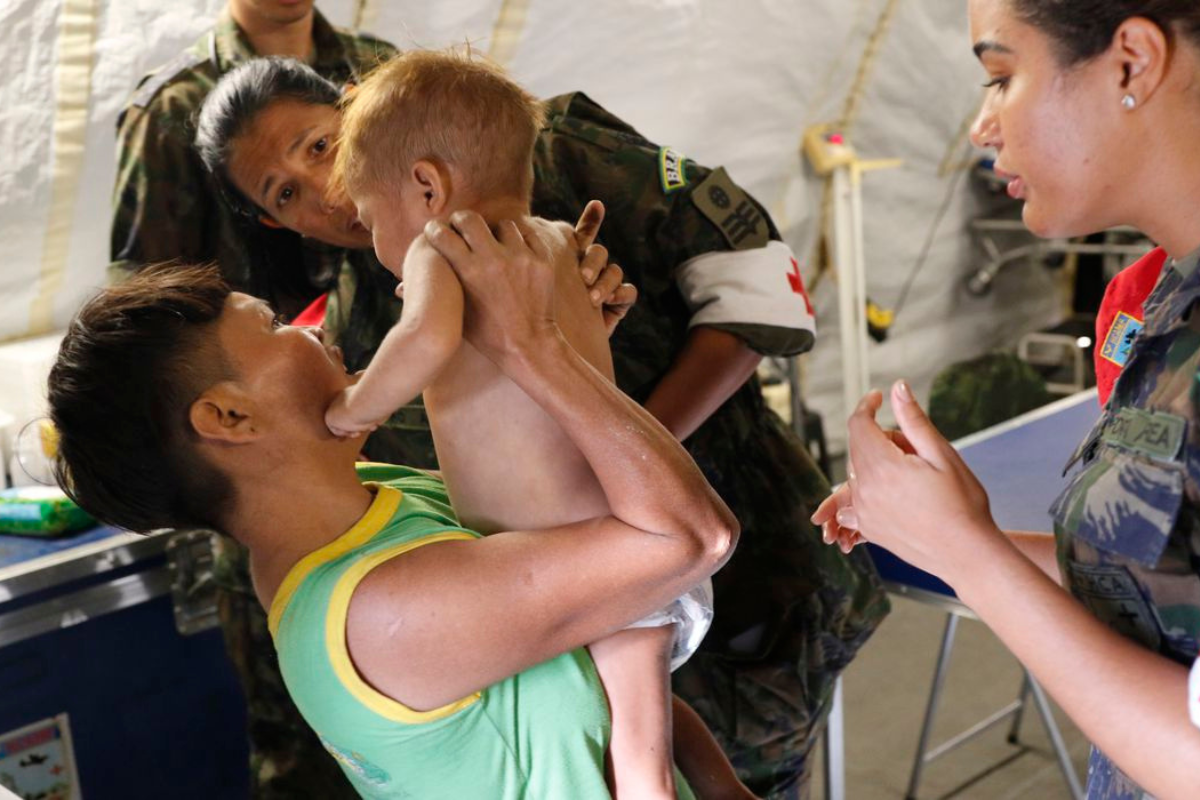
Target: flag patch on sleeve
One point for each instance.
(1119, 341)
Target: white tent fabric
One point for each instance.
(726, 83)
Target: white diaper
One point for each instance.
(691, 615)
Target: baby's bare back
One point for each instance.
(507, 464)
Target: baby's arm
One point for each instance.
(414, 351)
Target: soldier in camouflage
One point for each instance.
(1128, 546)
(165, 204)
(166, 207)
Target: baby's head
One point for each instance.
(428, 133)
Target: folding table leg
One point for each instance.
(935, 694)
(1060, 748)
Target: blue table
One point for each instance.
(20, 549)
(1020, 464)
(88, 628)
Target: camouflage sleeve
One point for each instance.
(158, 201)
(671, 210)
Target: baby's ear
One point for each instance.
(433, 181)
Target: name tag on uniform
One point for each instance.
(1119, 341)
(1150, 433)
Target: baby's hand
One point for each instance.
(342, 423)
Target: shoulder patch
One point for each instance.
(728, 207)
(151, 84)
(1119, 341)
(671, 171)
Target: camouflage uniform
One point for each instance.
(1127, 524)
(791, 612)
(167, 207)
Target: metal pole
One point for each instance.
(1060, 747)
(835, 747)
(935, 694)
(851, 303)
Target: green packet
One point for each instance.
(40, 511)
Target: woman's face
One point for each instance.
(282, 162)
(1056, 129)
(289, 371)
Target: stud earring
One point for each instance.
(1129, 102)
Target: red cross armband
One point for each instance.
(750, 287)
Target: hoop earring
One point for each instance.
(1129, 102)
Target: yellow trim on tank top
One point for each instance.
(379, 513)
(339, 653)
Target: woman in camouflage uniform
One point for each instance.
(1078, 90)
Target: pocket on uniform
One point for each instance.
(1123, 503)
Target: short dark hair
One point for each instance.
(237, 100)
(133, 361)
(1083, 29)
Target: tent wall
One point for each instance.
(726, 83)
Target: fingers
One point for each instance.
(588, 226)
(621, 299)
(900, 440)
(916, 428)
(447, 242)
(867, 441)
(618, 305)
(510, 235)
(840, 496)
(598, 272)
(473, 229)
(608, 278)
(538, 234)
(847, 517)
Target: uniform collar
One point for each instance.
(1187, 265)
(232, 46)
(1169, 306)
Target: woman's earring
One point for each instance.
(1129, 102)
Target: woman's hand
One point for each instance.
(839, 525)
(912, 493)
(836, 515)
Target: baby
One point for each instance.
(425, 135)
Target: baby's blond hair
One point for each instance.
(452, 107)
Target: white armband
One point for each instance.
(1194, 694)
(756, 287)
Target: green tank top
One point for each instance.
(538, 735)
